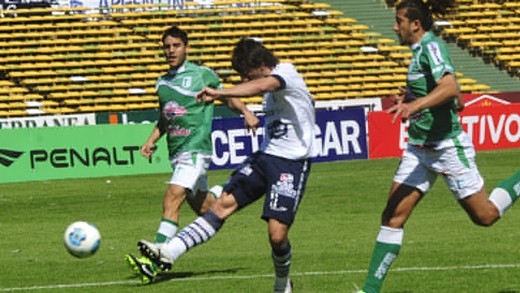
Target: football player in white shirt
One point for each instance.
(279, 170)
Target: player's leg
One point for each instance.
(199, 231)
(172, 202)
(173, 199)
(188, 168)
(204, 197)
(245, 187)
(400, 205)
(216, 190)
(281, 254)
(143, 266)
(204, 227)
(411, 182)
(188, 178)
(201, 202)
(484, 210)
(506, 192)
(466, 183)
(286, 181)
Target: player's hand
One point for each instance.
(148, 149)
(403, 110)
(207, 95)
(399, 108)
(460, 104)
(251, 122)
(399, 98)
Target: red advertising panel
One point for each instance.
(476, 100)
(496, 127)
(491, 127)
(491, 99)
(384, 137)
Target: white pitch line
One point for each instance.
(341, 272)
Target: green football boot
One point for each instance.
(143, 267)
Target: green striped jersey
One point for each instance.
(430, 62)
(186, 123)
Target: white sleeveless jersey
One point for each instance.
(289, 116)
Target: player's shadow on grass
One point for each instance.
(167, 276)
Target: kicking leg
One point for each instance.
(198, 232)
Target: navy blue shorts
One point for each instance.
(281, 180)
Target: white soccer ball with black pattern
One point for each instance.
(82, 239)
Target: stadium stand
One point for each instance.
(469, 63)
(75, 60)
(489, 30)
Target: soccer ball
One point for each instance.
(82, 239)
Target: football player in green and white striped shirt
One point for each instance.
(437, 144)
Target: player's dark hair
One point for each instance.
(175, 32)
(250, 54)
(424, 10)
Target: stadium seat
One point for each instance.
(484, 28)
(91, 62)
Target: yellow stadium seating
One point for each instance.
(76, 62)
(487, 29)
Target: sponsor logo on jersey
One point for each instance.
(435, 52)
(178, 131)
(417, 117)
(171, 110)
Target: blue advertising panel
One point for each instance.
(340, 135)
(232, 143)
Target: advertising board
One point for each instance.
(43, 153)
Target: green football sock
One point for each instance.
(512, 186)
(166, 231)
(385, 252)
(506, 193)
(216, 190)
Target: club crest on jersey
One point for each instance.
(172, 110)
(277, 129)
(186, 82)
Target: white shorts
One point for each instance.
(454, 159)
(190, 171)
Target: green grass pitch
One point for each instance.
(332, 237)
